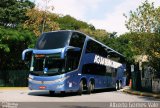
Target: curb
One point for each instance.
(13, 88)
(129, 91)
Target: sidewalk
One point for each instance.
(140, 93)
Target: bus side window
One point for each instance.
(87, 69)
(77, 40)
(94, 69)
(96, 48)
(73, 57)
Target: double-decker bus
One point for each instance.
(71, 61)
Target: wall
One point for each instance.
(156, 85)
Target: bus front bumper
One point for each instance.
(51, 86)
(45, 85)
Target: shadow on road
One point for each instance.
(63, 105)
(46, 93)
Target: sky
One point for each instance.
(103, 14)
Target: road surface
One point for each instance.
(40, 99)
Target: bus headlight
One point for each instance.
(30, 78)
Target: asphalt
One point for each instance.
(127, 89)
(140, 93)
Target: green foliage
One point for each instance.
(12, 43)
(154, 53)
(123, 45)
(133, 44)
(146, 18)
(40, 21)
(12, 12)
(145, 23)
(68, 22)
(98, 34)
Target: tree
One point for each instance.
(41, 19)
(12, 43)
(68, 22)
(154, 53)
(99, 34)
(144, 23)
(37, 18)
(12, 12)
(133, 44)
(146, 18)
(113, 35)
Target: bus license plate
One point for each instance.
(42, 87)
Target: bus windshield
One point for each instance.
(49, 65)
(53, 40)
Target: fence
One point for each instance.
(136, 78)
(156, 85)
(144, 79)
(146, 84)
(13, 78)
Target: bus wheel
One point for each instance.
(62, 94)
(117, 85)
(51, 93)
(90, 87)
(120, 84)
(80, 88)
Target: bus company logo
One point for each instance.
(107, 62)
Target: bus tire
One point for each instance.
(117, 85)
(51, 93)
(90, 87)
(62, 94)
(80, 88)
(120, 85)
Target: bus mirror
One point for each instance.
(26, 55)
